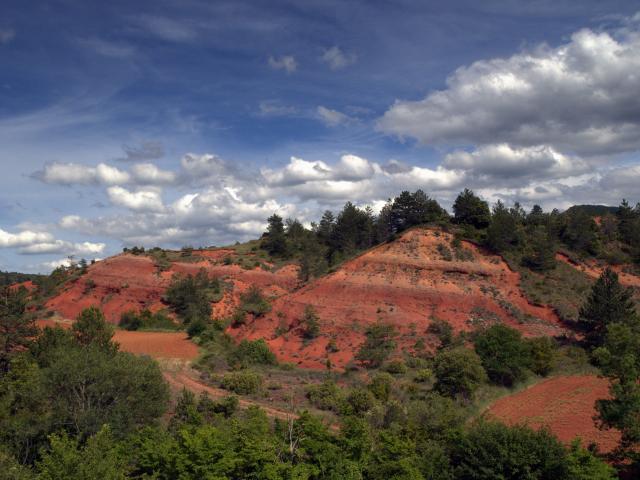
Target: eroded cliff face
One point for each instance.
(407, 282)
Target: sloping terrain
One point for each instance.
(594, 270)
(133, 282)
(407, 282)
(566, 405)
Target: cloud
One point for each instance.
(6, 35)
(167, 28)
(506, 162)
(273, 108)
(286, 62)
(583, 96)
(332, 118)
(625, 178)
(336, 59)
(150, 174)
(23, 238)
(142, 200)
(63, 247)
(107, 48)
(148, 150)
(74, 173)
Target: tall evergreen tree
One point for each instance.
(469, 209)
(609, 303)
(16, 328)
(274, 240)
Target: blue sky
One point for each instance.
(189, 122)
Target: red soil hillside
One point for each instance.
(564, 404)
(405, 282)
(133, 282)
(593, 270)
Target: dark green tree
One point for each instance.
(504, 354)
(505, 230)
(91, 328)
(17, 328)
(274, 240)
(540, 250)
(378, 345)
(469, 209)
(458, 373)
(310, 323)
(609, 302)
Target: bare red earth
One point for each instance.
(133, 282)
(157, 344)
(566, 405)
(406, 283)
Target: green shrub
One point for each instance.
(505, 355)
(458, 372)
(378, 344)
(250, 352)
(396, 367)
(423, 376)
(325, 396)
(243, 382)
(381, 385)
(359, 400)
(542, 355)
(252, 301)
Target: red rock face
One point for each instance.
(131, 282)
(406, 283)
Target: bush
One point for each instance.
(505, 356)
(191, 296)
(396, 367)
(252, 301)
(359, 400)
(145, 319)
(381, 385)
(542, 355)
(252, 352)
(243, 382)
(379, 343)
(458, 372)
(442, 330)
(423, 376)
(325, 396)
(310, 325)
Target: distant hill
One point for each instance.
(9, 278)
(593, 210)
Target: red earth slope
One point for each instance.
(566, 405)
(133, 282)
(406, 282)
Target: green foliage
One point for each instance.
(608, 303)
(359, 400)
(310, 323)
(68, 459)
(251, 352)
(243, 382)
(458, 373)
(378, 344)
(505, 230)
(381, 385)
(396, 367)
(146, 320)
(252, 301)
(492, 450)
(409, 209)
(274, 240)
(539, 251)
(442, 330)
(325, 395)
(584, 465)
(542, 355)
(91, 329)
(191, 296)
(16, 328)
(504, 354)
(469, 209)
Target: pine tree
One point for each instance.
(469, 209)
(274, 240)
(609, 303)
(16, 328)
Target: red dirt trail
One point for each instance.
(564, 404)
